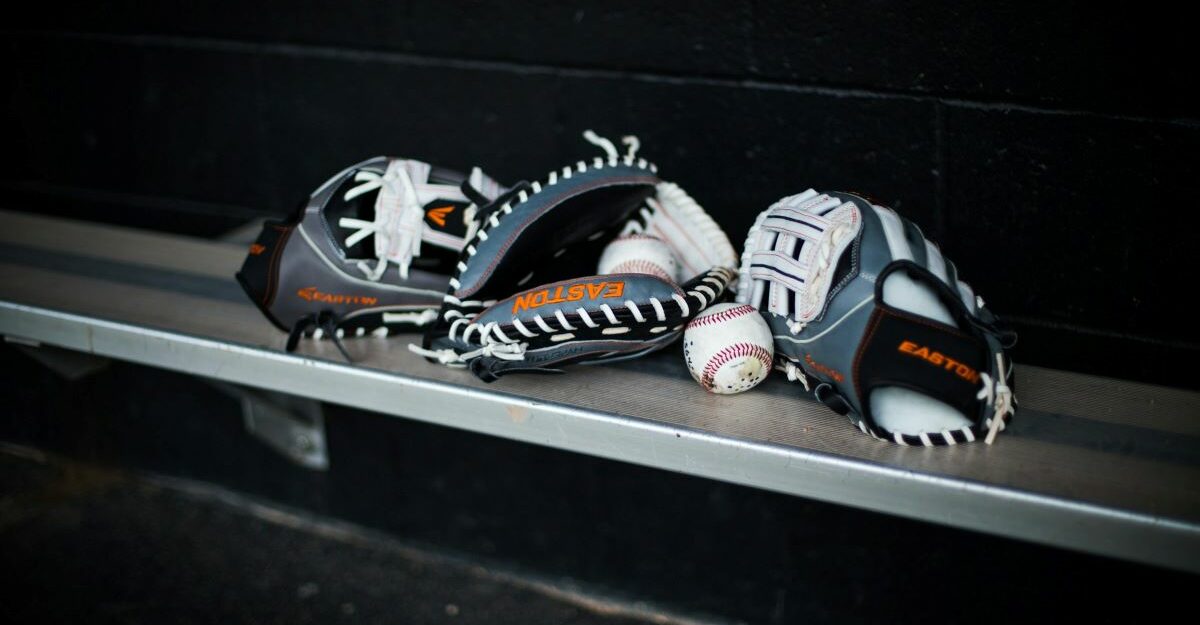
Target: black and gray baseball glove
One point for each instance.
(326, 272)
(874, 322)
(524, 298)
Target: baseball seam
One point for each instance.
(638, 265)
(737, 350)
(637, 237)
(724, 315)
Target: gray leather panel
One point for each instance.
(501, 238)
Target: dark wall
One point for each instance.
(1032, 141)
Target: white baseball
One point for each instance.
(728, 348)
(638, 253)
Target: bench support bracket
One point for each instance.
(293, 426)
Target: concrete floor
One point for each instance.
(87, 544)
(84, 543)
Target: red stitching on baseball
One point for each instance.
(737, 350)
(638, 265)
(638, 237)
(724, 315)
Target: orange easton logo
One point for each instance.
(256, 249)
(311, 294)
(940, 360)
(438, 215)
(571, 293)
(820, 368)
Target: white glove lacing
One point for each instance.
(408, 229)
(610, 150)
(824, 264)
(795, 374)
(493, 343)
(996, 393)
(399, 233)
(447, 356)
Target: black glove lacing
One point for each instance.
(326, 321)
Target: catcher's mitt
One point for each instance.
(872, 320)
(324, 272)
(550, 234)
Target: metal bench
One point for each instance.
(1094, 464)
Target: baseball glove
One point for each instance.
(875, 323)
(550, 233)
(324, 272)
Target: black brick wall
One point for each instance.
(1048, 148)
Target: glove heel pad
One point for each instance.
(259, 275)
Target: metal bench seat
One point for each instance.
(1094, 464)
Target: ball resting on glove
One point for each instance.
(638, 253)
